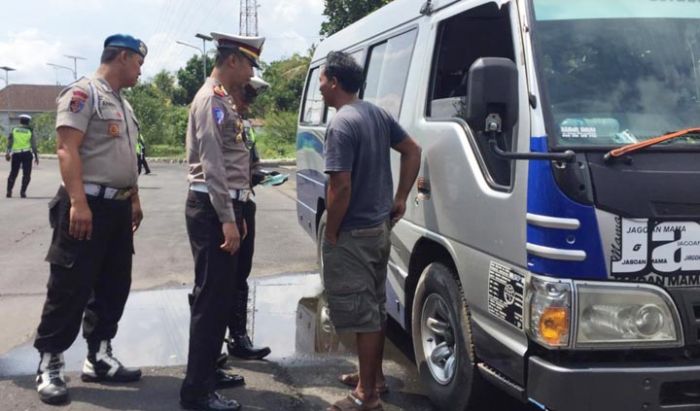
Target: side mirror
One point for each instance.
(492, 106)
(492, 88)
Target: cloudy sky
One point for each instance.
(36, 32)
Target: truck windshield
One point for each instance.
(618, 72)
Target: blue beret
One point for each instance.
(128, 42)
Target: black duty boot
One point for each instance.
(50, 382)
(225, 375)
(23, 194)
(240, 346)
(226, 378)
(211, 402)
(101, 365)
(9, 194)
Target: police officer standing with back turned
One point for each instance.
(94, 216)
(21, 143)
(219, 163)
(239, 344)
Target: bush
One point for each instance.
(268, 150)
(46, 145)
(278, 138)
(44, 129)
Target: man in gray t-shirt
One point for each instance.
(358, 140)
(360, 211)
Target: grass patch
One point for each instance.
(165, 150)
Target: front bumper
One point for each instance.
(602, 387)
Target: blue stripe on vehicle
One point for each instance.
(545, 198)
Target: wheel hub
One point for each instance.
(437, 330)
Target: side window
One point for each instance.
(484, 31)
(387, 71)
(313, 102)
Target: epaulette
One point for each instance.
(220, 91)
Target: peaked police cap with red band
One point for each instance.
(251, 47)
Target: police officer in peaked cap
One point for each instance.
(94, 216)
(219, 164)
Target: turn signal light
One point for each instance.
(554, 325)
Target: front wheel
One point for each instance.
(442, 341)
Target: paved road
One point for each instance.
(163, 258)
(307, 357)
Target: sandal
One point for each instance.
(352, 403)
(352, 379)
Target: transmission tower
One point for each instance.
(249, 18)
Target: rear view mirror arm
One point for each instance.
(567, 156)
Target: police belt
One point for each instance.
(109, 193)
(24, 150)
(239, 195)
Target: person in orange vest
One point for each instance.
(21, 144)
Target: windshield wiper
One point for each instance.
(630, 148)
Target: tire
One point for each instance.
(320, 235)
(444, 350)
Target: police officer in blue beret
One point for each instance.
(94, 216)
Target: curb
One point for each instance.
(267, 162)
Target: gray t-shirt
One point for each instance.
(359, 140)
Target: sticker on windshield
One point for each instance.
(506, 288)
(663, 253)
(578, 132)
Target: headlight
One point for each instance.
(612, 314)
(550, 311)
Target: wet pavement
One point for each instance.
(300, 374)
(286, 314)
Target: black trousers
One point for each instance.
(239, 312)
(89, 280)
(23, 160)
(142, 163)
(210, 301)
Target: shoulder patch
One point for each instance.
(77, 101)
(220, 91)
(218, 115)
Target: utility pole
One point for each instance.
(58, 66)
(204, 38)
(249, 18)
(75, 64)
(203, 50)
(7, 85)
(7, 70)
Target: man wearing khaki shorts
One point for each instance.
(360, 213)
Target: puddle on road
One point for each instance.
(288, 315)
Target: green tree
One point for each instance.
(165, 83)
(190, 79)
(286, 78)
(342, 13)
(159, 120)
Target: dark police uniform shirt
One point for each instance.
(111, 129)
(216, 149)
